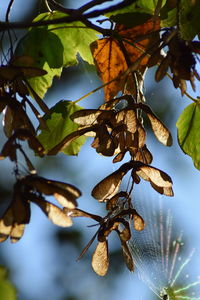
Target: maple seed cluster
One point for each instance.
(180, 59)
(31, 189)
(117, 132)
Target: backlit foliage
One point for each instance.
(140, 34)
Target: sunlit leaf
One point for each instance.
(61, 125)
(75, 37)
(110, 54)
(138, 6)
(188, 126)
(100, 258)
(54, 47)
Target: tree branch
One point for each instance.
(74, 15)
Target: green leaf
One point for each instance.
(53, 47)
(75, 37)
(188, 15)
(131, 19)
(140, 6)
(188, 126)
(60, 125)
(189, 19)
(168, 16)
(7, 290)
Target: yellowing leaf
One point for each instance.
(110, 54)
(188, 126)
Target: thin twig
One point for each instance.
(75, 16)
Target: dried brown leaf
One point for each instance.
(110, 63)
(100, 258)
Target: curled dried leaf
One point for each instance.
(100, 258)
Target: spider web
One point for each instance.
(158, 252)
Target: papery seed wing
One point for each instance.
(100, 258)
(108, 186)
(6, 224)
(53, 212)
(17, 232)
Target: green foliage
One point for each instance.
(53, 47)
(60, 125)
(188, 126)
(7, 290)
